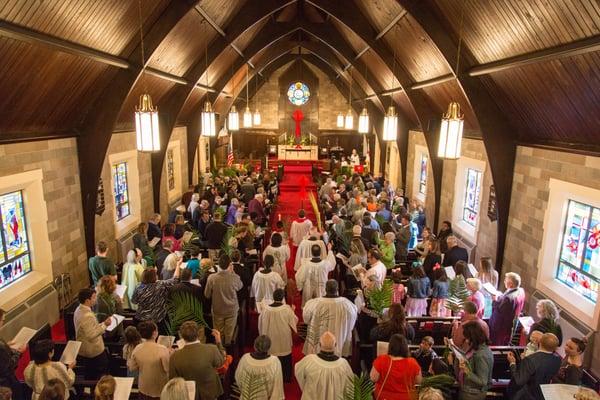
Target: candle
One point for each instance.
(279, 217)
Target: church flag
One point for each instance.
(230, 151)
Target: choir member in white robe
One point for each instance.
(260, 367)
(300, 228)
(281, 253)
(264, 283)
(277, 321)
(330, 313)
(304, 249)
(323, 376)
(312, 275)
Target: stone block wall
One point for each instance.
(105, 223)
(179, 134)
(62, 192)
(267, 99)
(331, 102)
(529, 200)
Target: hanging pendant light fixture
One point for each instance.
(451, 128)
(349, 120)
(209, 128)
(390, 121)
(146, 115)
(233, 119)
(247, 113)
(256, 119)
(363, 118)
(340, 120)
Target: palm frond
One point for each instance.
(226, 246)
(379, 299)
(182, 307)
(457, 294)
(437, 381)
(314, 334)
(315, 207)
(253, 387)
(359, 387)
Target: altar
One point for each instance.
(293, 152)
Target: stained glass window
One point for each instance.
(121, 190)
(15, 259)
(298, 93)
(472, 194)
(579, 261)
(170, 169)
(423, 175)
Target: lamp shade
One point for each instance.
(233, 121)
(451, 131)
(340, 120)
(256, 119)
(390, 125)
(247, 118)
(146, 125)
(349, 120)
(363, 121)
(209, 128)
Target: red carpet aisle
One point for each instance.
(289, 203)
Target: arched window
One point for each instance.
(298, 93)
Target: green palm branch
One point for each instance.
(226, 246)
(182, 307)
(314, 334)
(437, 381)
(457, 294)
(379, 299)
(360, 387)
(253, 387)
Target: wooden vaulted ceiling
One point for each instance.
(538, 60)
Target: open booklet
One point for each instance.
(456, 351)
(473, 270)
(180, 343)
(450, 273)
(357, 270)
(526, 322)
(23, 337)
(191, 387)
(123, 388)
(343, 258)
(154, 242)
(166, 341)
(557, 391)
(115, 320)
(491, 289)
(70, 352)
(382, 348)
(120, 291)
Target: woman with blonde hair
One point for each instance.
(429, 393)
(175, 389)
(131, 277)
(549, 316)
(474, 286)
(105, 388)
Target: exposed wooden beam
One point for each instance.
(578, 47)
(433, 82)
(392, 23)
(31, 36)
(210, 21)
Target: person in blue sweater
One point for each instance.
(419, 288)
(439, 293)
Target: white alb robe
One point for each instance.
(268, 370)
(312, 276)
(334, 314)
(281, 255)
(278, 324)
(263, 285)
(304, 251)
(299, 229)
(323, 380)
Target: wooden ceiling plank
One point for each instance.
(390, 25)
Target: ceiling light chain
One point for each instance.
(363, 119)
(146, 115)
(209, 128)
(390, 121)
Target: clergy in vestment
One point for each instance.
(277, 321)
(265, 282)
(324, 375)
(262, 370)
(312, 275)
(330, 313)
(304, 249)
(300, 228)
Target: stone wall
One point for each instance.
(105, 223)
(62, 192)
(529, 200)
(181, 174)
(267, 100)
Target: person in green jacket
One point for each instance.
(387, 249)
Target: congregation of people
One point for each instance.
(226, 249)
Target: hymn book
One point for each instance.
(154, 242)
(491, 289)
(526, 322)
(123, 389)
(120, 291)
(23, 337)
(166, 341)
(450, 273)
(473, 270)
(115, 320)
(191, 387)
(357, 270)
(70, 352)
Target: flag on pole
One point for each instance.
(230, 151)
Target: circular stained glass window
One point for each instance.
(298, 93)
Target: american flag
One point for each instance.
(230, 151)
